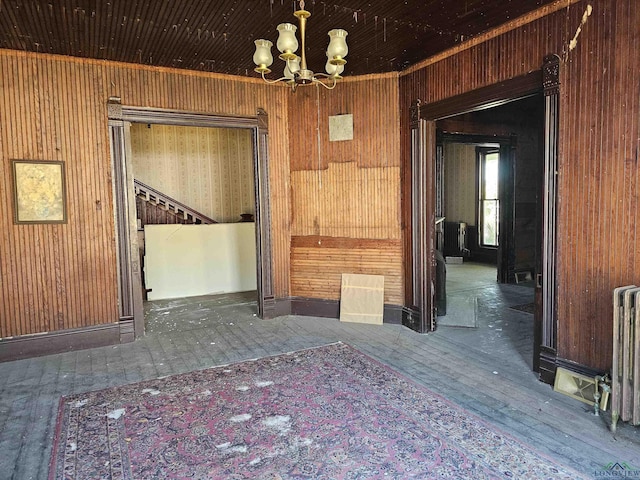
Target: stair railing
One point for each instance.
(152, 195)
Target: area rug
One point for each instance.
(329, 412)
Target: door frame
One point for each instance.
(420, 257)
(129, 269)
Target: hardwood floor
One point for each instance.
(486, 369)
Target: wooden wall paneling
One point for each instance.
(56, 277)
(343, 255)
(346, 201)
(601, 188)
(345, 191)
(61, 258)
(373, 103)
(597, 158)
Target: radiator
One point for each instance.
(625, 370)
(455, 239)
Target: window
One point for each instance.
(488, 204)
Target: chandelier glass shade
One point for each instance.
(295, 66)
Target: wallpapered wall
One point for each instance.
(460, 183)
(207, 169)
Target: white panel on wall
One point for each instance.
(460, 183)
(191, 260)
(207, 169)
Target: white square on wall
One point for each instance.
(340, 127)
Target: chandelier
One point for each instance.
(295, 69)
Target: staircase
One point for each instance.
(154, 207)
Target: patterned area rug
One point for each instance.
(325, 413)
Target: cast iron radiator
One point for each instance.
(625, 370)
(455, 239)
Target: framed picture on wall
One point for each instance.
(39, 191)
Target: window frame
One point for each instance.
(481, 153)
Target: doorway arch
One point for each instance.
(131, 315)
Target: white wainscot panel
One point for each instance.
(190, 260)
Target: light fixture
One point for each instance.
(295, 69)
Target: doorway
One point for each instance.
(489, 171)
(195, 203)
(129, 271)
(422, 204)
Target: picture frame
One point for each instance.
(39, 192)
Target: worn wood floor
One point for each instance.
(486, 369)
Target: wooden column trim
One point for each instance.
(548, 285)
(129, 271)
(266, 299)
(421, 316)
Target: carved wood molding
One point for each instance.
(414, 114)
(551, 81)
(551, 74)
(114, 109)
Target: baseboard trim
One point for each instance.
(578, 368)
(29, 346)
(320, 307)
(549, 363)
(547, 370)
(411, 318)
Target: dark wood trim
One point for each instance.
(319, 307)
(546, 288)
(506, 242)
(315, 307)
(578, 368)
(316, 241)
(65, 341)
(192, 119)
(394, 314)
(264, 274)
(410, 318)
(457, 127)
(547, 365)
(129, 274)
(421, 256)
(282, 307)
(485, 97)
(129, 269)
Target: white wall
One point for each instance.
(460, 201)
(190, 260)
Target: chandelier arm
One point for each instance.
(272, 81)
(327, 86)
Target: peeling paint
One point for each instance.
(585, 17)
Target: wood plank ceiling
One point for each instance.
(217, 36)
